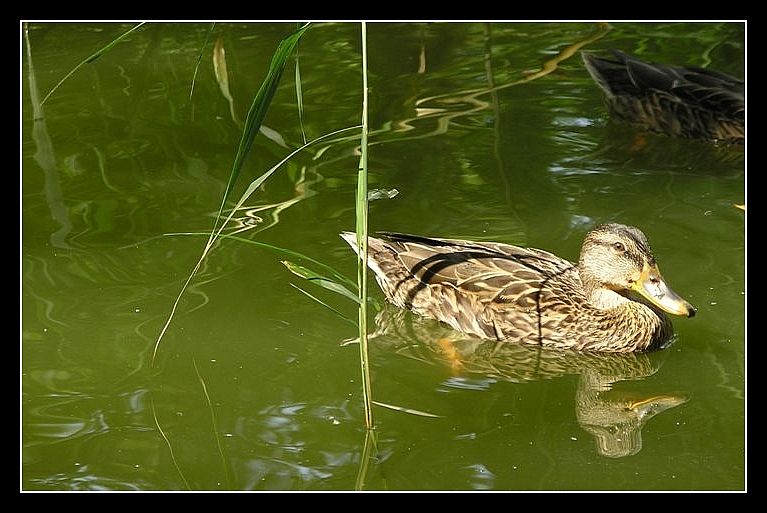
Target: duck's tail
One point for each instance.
(374, 247)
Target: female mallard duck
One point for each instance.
(505, 292)
(683, 102)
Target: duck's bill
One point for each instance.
(652, 287)
(655, 404)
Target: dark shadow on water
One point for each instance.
(632, 148)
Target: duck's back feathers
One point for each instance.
(475, 287)
(680, 101)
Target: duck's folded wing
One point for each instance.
(490, 271)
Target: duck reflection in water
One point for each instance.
(614, 418)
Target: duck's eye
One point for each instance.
(619, 247)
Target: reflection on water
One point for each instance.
(615, 418)
(46, 158)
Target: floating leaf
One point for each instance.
(222, 76)
(377, 194)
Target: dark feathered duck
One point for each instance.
(673, 100)
(611, 300)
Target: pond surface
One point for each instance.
(255, 385)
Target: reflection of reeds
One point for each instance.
(300, 97)
(224, 460)
(46, 158)
(199, 59)
(441, 107)
(369, 450)
(167, 442)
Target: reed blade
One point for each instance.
(259, 107)
(98, 53)
(318, 300)
(320, 280)
(199, 58)
(362, 241)
(253, 121)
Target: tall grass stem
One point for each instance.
(199, 59)
(91, 58)
(362, 241)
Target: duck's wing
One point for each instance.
(711, 90)
(488, 271)
(675, 100)
(700, 87)
(489, 290)
(626, 75)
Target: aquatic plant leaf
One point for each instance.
(222, 76)
(98, 53)
(199, 58)
(320, 280)
(318, 300)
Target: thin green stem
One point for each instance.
(300, 97)
(369, 453)
(167, 442)
(90, 59)
(362, 240)
(215, 234)
(214, 424)
(199, 58)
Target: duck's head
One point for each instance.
(616, 258)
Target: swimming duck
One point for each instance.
(673, 100)
(611, 300)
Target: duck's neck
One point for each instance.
(650, 326)
(605, 299)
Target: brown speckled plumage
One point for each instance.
(503, 292)
(673, 100)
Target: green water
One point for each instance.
(254, 387)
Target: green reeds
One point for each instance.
(253, 122)
(91, 58)
(199, 59)
(369, 450)
(362, 240)
(300, 98)
(259, 107)
(167, 442)
(224, 459)
(215, 233)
